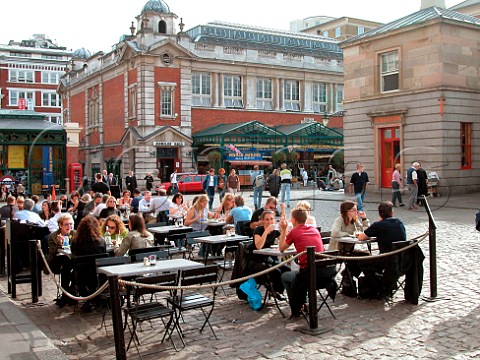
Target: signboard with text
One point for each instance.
(244, 157)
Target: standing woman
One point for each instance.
(274, 183)
(148, 181)
(222, 184)
(397, 185)
(233, 182)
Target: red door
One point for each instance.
(390, 146)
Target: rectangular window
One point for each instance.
(264, 94)
(232, 91)
(21, 76)
(55, 119)
(338, 32)
(466, 145)
(93, 112)
(50, 99)
(166, 103)
(319, 97)
(14, 95)
(389, 71)
(201, 89)
(339, 98)
(50, 77)
(132, 102)
(291, 95)
(325, 33)
(20, 54)
(361, 30)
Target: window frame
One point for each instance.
(51, 96)
(466, 145)
(132, 102)
(232, 91)
(291, 95)
(28, 76)
(167, 100)
(201, 89)
(393, 71)
(339, 94)
(51, 77)
(264, 93)
(18, 92)
(319, 97)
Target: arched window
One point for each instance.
(162, 27)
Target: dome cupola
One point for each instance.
(157, 6)
(82, 54)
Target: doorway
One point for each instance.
(390, 153)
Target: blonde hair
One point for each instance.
(304, 204)
(201, 198)
(226, 199)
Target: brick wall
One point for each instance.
(113, 110)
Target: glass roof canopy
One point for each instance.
(310, 135)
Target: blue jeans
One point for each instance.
(360, 197)
(257, 197)
(285, 191)
(211, 196)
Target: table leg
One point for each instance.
(117, 318)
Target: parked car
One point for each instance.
(187, 183)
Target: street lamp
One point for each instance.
(325, 119)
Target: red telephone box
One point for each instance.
(75, 174)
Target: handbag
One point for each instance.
(254, 297)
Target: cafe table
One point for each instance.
(217, 240)
(168, 228)
(275, 251)
(135, 269)
(354, 241)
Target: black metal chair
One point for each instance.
(392, 273)
(178, 244)
(326, 285)
(243, 228)
(140, 311)
(326, 237)
(191, 244)
(188, 300)
(134, 252)
(159, 255)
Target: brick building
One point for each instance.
(139, 104)
(412, 92)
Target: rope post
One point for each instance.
(117, 318)
(312, 296)
(35, 274)
(432, 243)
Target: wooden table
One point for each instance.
(135, 269)
(218, 239)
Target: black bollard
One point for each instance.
(35, 273)
(117, 318)
(432, 243)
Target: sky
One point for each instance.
(98, 24)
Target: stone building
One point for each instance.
(140, 104)
(412, 91)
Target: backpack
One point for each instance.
(259, 181)
(477, 220)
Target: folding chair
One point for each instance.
(191, 244)
(243, 228)
(326, 236)
(141, 311)
(326, 285)
(187, 300)
(159, 255)
(391, 282)
(134, 252)
(180, 241)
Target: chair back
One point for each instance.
(242, 227)
(160, 255)
(179, 231)
(134, 252)
(326, 236)
(157, 224)
(178, 239)
(109, 261)
(203, 275)
(160, 280)
(85, 273)
(195, 234)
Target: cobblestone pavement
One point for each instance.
(364, 329)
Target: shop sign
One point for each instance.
(244, 157)
(16, 156)
(7, 180)
(168, 143)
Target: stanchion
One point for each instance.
(117, 318)
(313, 329)
(35, 273)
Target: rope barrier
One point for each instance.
(417, 240)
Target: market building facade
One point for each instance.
(140, 105)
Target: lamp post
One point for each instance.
(325, 119)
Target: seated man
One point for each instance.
(240, 212)
(296, 282)
(27, 214)
(388, 230)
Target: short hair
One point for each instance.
(416, 163)
(162, 192)
(11, 200)
(300, 215)
(126, 192)
(359, 165)
(105, 198)
(63, 217)
(211, 169)
(304, 204)
(28, 204)
(283, 166)
(272, 199)
(35, 198)
(221, 171)
(55, 206)
(136, 191)
(239, 200)
(145, 193)
(385, 209)
(176, 196)
(86, 198)
(98, 195)
(98, 176)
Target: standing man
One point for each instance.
(258, 182)
(111, 180)
(131, 182)
(412, 185)
(104, 176)
(285, 183)
(358, 184)
(99, 186)
(422, 182)
(173, 182)
(209, 185)
(148, 181)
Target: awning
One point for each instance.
(250, 162)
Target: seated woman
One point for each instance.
(264, 237)
(111, 209)
(223, 210)
(126, 199)
(46, 212)
(198, 214)
(177, 208)
(116, 228)
(59, 262)
(72, 204)
(138, 237)
(347, 223)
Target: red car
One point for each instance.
(188, 183)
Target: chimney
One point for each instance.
(429, 3)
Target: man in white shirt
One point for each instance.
(27, 214)
(146, 208)
(161, 206)
(100, 206)
(173, 182)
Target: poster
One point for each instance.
(16, 157)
